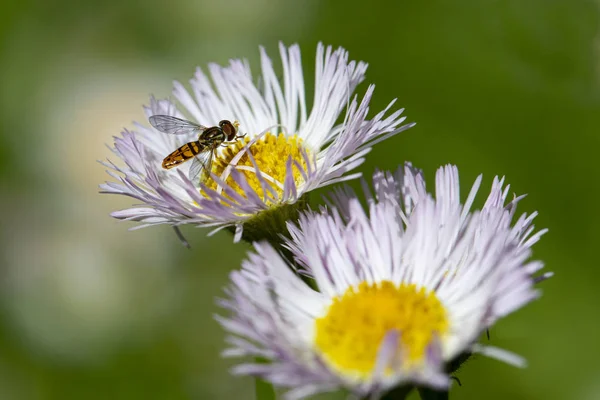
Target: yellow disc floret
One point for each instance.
(271, 153)
(350, 334)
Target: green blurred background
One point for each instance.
(93, 311)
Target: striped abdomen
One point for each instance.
(182, 154)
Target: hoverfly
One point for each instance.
(201, 150)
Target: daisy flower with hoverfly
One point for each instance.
(399, 292)
(253, 170)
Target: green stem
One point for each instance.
(430, 394)
(264, 390)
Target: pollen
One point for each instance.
(349, 336)
(271, 153)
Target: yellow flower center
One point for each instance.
(349, 336)
(271, 154)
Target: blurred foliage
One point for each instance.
(92, 311)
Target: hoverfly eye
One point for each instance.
(223, 123)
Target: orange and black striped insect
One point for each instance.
(201, 150)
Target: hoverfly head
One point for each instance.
(228, 129)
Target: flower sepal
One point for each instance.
(270, 224)
(432, 394)
(398, 393)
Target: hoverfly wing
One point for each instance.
(201, 166)
(174, 126)
(195, 169)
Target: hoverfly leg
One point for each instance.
(181, 238)
(225, 144)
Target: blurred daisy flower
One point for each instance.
(257, 182)
(403, 290)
